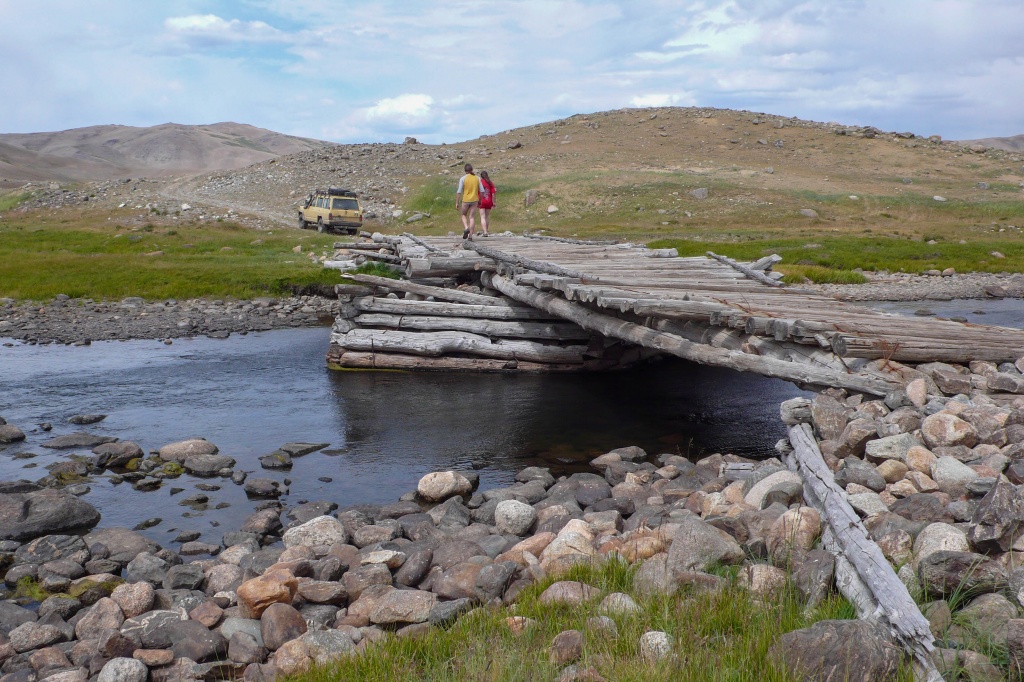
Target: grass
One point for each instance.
(377, 269)
(717, 636)
(85, 257)
(9, 201)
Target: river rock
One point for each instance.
(184, 577)
(794, 532)
(890, 447)
(999, 518)
(123, 544)
(440, 485)
(655, 645)
(952, 476)
(760, 495)
(938, 537)
(77, 440)
(263, 487)
(569, 592)
(207, 465)
(146, 567)
(403, 606)
(181, 450)
(102, 615)
(24, 516)
(856, 470)
(32, 635)
(852, 650)
(273, 587)
(943, 573)
(513, 517)
(86, 419)
(123, 670)
(133, 598)
(566, 647)
(697, 545)
(52, 548)
(281, 623)
(945, 429)
(327, 645)
(191, 640)
(322, 530)
(9, 433)
(116, 454)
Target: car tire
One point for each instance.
(302, 223)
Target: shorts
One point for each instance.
(468, 206)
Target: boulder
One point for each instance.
(9, 433)
(77, 440)
(181, 450)
(569, 592)
(655, 645)
(123, 544)
(944, 573)
(513, 517)
(890, 447)
(946, 429)
(281, 623)
(123, 670)
(952, 476)
(273, 587)
(760, 495)
(939, 537)
(999, 518)
(403, 606)
(848, 650)
(24, 516)
(794, 532)
(104, 614)
(697, 545)
(566, 647)
(320, 531)
(440, 485)
(207, 465)
(133, 598)
(116, 454)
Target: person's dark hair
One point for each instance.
(469, 168)
(483, 174)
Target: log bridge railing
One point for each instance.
(572, 305)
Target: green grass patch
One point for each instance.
(718, 636)
(841, 255)
(9, 201)
(41, 258)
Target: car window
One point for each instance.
(345, 204)
(320, 203)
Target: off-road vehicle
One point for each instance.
(331, 208)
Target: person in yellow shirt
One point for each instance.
(467, 199)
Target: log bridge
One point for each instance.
(528, 303)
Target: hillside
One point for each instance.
(111, 151)
(636, 173)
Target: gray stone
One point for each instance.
(77, 440)
(944, 572)
(116, 454)
(192, 640)
(849, 650)
(12, 615)
(319, 531)
(9, 433)
(24, 516)
(890, 447)
(124, 544)
(123, 670)
(998, 520)
(51, 548)
(151, 629)
(184, 577)
(952, 476)
(32, 635)
(146, 567)
(181, 450)
(403, 606)
(440, 485)
(207, 465)
(855, 470)
(513, 517)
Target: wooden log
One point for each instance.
(342, 359)
(553, 331)
(434, 344)
(629, 331)
(895, 604)
(417, 267)
(437, 292)
(417, 240)
(353, 289)
(956, 350)
(565, 240)
(382, 257)
(766, 263)
(374, 304)
(753, 274)
(519, 261)
(358, 246)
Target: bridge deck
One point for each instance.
(729, 309)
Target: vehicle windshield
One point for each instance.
(345, 204)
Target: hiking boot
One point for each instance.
(465, 233)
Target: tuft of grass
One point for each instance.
(721, 635)
(820, 275)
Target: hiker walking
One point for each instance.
(487, 191)
(467, 198)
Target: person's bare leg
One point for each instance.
(484, 214)
(472, 220)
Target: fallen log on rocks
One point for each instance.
(498, 310)
(553, 331)
(453, 295)
(749, 272)
(888, 595)
(362, 360)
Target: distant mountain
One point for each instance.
(112, 151)
(1009, 144)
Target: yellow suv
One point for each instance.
(331, 208)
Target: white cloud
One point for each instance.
(404, 110)
(210, 27)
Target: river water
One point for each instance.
(249, 394)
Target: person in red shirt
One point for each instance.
(487, 192)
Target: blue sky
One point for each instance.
(355, 71)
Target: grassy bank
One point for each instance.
(85, 255)
(717, 636)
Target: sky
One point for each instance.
(377, 71)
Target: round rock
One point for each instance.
(513, 517)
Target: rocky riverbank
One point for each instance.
(934, 286)
(934, 469)
(81, 321)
